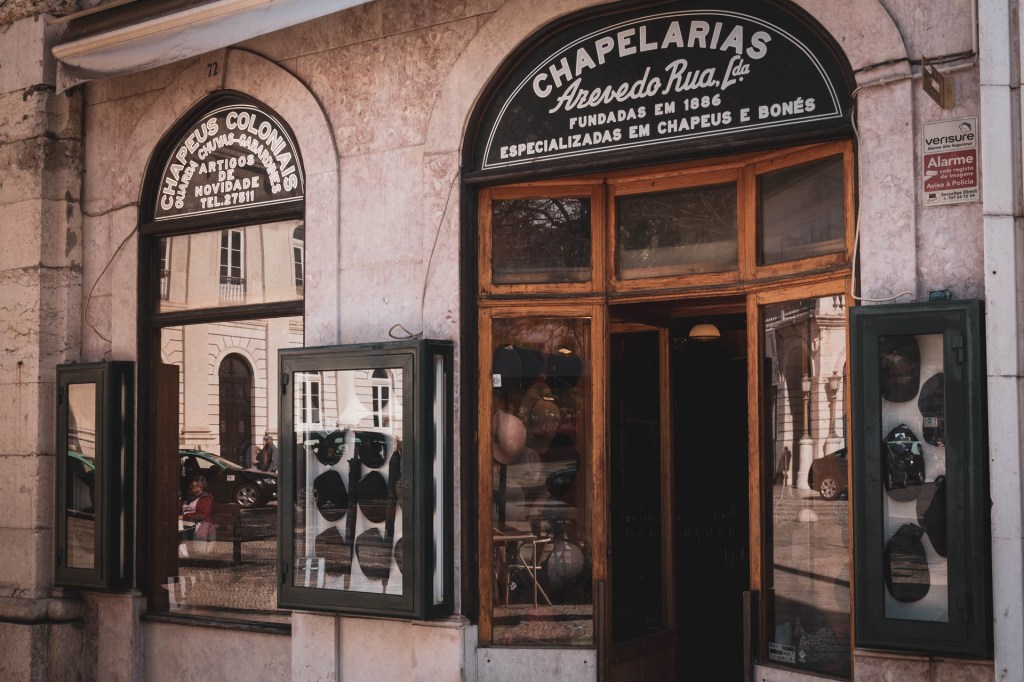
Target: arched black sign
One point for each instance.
(671, 74)
(234, 157)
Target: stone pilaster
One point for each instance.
(42, 633)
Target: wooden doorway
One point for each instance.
(235, 377)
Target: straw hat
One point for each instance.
(508, 435)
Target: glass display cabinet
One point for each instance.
(93, 477)
(365, 498)
(920, 487)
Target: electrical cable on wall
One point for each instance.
(426, 272)
(92, 289)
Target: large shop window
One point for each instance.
(222, 272)
(591, 292)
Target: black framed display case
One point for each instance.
(920, 490)
(93, 474)
(365, 498)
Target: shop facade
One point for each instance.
(589, 339)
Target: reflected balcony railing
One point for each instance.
(232, 289)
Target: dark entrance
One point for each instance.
(236, 410)
(709, 414)
(678, 456)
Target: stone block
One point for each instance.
(40, 168)
(27, 572)
(413, 651)
(402, 16)
(570, 665)
(27, 59)
(381, 209)
(27, 490)
(28, 420)
(230, 655)
(958, 670)
(880, 667)
(23, 651)
(359, 24)
(70, 654)
(380, 95)
(312, 636)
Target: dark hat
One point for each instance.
(902, 463)
(374, 554)
(336, 554)
(932, 403)
(399, 551)
(932, 513)
(373, 496)
(906, 564)
(564, 369)
(330, 495)
(372, 448)
(899, 359)
(328, 449)
(539, 411)
(517, 367)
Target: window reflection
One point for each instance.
(238, 266)
(224, 475)
(349, 485)
(81, 476)
(677, 232)
(802, 211)
(541, 477)
(540, 240)
(805, 349)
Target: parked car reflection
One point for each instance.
(829, 475)
(227, 481)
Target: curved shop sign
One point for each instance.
(630, 82)
(236, 157)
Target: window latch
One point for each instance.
(284, 384)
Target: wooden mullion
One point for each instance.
(485, 505)
(757, 517)
(667, 480)
(746, 213)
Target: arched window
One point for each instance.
(223, 211)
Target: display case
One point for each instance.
(920, 487)
(366, 490)
(93, 475)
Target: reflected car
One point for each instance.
(829, 475)
(226, 481)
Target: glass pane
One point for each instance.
(348, 485)
(678, 232)
(805, 359)
(80, 484)
(211, 269)
(802, 211)
(540, 240)
(913, 456)
(541, 476)
(225, 473)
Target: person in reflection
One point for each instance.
(199, 510)
(266, 457)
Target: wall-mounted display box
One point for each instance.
(93, 474)
(920, 489)
(366, 493)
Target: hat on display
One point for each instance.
(902, 462)
(372, 448)
(565, 562)
(932, 514)
(399, 552)
(337, 555)
(533, 364)
(330, 495)
(564, 368)
(508, 436)
(374, 554)
(507, 365)
(540, 412)
(328, 449)
(373, 497)
(899, 367)
(906, 564)
(932, 403)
